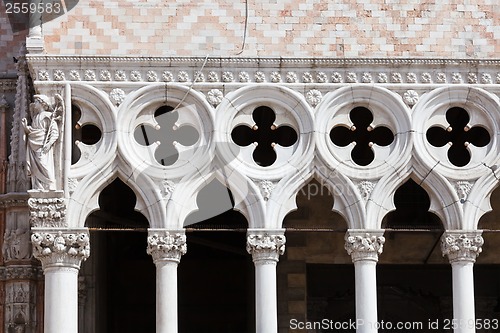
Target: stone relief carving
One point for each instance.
(89, 75)
(47, 212)
(167, 187)
(266, 248)
(410, 97)
(214, 97)
(61, 247)
(42, 133)
(266, 188)
(166, 245)
(117, 96)
(291, 77)
(463, 189)
(313, 97)
(461, 247)
(16, 244)
(365, 246)
(366, 187)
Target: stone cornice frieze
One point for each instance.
(165, 245)
(364, 244)
(258, 70)
(63, 247)
(14, 199)
(462, 245)
(266, 248)
(47, 209)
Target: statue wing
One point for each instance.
(55, 120)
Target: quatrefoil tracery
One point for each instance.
(363, 135)
(168, 135)
(460, 135)
(87, 134)
(265, 135)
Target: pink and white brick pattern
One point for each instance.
(10, 41)
(315, 28)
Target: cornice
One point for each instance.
(255, 61)
(14, 199)
(105, 69)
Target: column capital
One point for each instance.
(364, 244)
(462, 245)
(47, 209)
(166, 245)
(266, 246)
(60, 247)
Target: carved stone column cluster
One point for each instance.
(364, 247)
(462, 249)
(265, 248)
(166, 247)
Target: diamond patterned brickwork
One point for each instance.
(12, 35)
(347, 28)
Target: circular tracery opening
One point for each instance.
(265, 135)
(459, 135)
(170, 135)
(362, 134)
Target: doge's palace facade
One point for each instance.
(288, 93)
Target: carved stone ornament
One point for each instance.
(365, 188)
(214, 97)
(463, 189)
(266, 188)
(364, 246)
(16, 244)
(166, 246)
(47, 212)
(60, 248)
(410, 97)
(465, 246)
(266, 248)
(167, 187)
(117, 96)
(313, 97)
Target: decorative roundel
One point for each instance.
(458, 130)
(264, 132)
(92, 130)
(363, 131)
(167, 131)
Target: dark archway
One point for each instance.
(117, 283)
(216, 276)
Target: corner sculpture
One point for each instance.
(41, 135)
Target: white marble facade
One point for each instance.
(213, 96)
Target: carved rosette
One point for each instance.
(265, 248)
(364, 246)
(47, 212)
(462, 246)
(61, 248)
(166, 246)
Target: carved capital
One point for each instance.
(47, 209)
(462, 245)
(164, 245)
(364, 245)
(61, 247)
(266, 248)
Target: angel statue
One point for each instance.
(41, 136)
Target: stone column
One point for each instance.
(364, 247)
(166, 248)
(61, 251)
(266, 247)
(462, 248)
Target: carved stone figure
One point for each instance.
(16, 244)
(41, 135)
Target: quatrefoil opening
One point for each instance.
(265, 135)
(459, 135)
(170, 136)
(363, 135)
(82, 135)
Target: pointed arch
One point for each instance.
(84, 199)
(478, 200)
